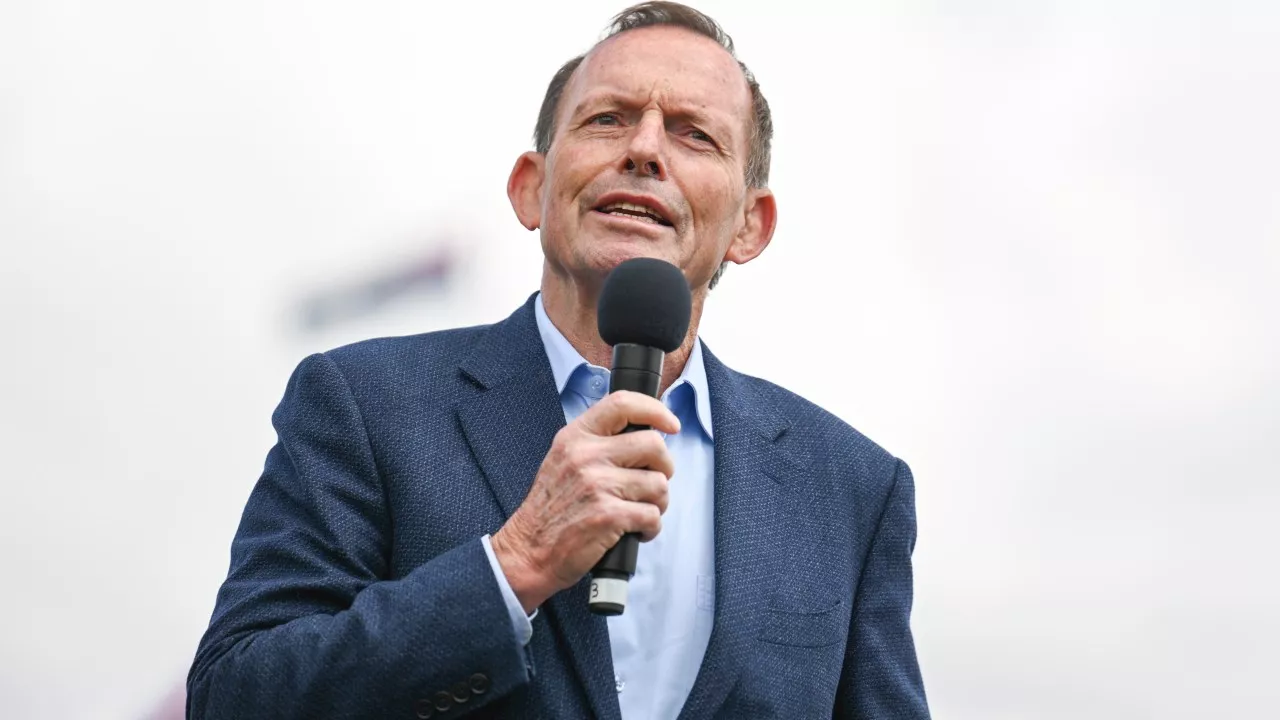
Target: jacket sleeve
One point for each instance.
(881, 678)
(307, 623)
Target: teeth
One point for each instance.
(640, 212)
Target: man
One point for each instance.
(419, 542)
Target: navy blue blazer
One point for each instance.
(359, 587)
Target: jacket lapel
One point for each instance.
(750, 494)
(510, 425)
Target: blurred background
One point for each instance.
(1033, 248)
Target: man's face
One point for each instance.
(648, 160)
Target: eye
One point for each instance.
(606, 119)
(700, 136)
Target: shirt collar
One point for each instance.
(565, 360)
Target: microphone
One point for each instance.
(643, 313)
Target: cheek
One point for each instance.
(571, 172)
(717, 210)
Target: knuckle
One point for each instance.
(599, 521)
(662, 496)
(647, 446)
(604, 516)
(653, 520)
(578, 454)
(665, 466)
(557, 446)
(562, 445)
(600, 526)
(565, 435)
(655, 441)
(593, 479)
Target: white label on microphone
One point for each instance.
(609, 590)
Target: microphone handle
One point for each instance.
(637, 368)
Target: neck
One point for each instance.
(571, 306)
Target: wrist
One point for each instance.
(521, 573)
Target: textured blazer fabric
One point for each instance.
(359, 586)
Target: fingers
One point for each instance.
(619, 409)
(643, 519)
(643, 486)
(644, 498)
(642, 449)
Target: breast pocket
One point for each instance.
(806, 628)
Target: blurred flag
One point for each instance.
(361, 297)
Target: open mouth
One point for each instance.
(634, 212)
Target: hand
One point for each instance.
(594, 486)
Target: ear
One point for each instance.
(760, 216)
(524, 189)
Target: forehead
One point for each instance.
(673, 65)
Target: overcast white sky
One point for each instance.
(1032, 248)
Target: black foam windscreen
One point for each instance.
(646, 302)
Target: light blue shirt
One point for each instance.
(659, 642)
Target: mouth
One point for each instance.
(635, 210)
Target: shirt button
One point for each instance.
(619, 683)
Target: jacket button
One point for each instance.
(479, 683)
(442, 700)
(461, 692)
(423, 709)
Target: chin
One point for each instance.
(602, 260)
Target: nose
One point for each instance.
(650, 168)
(646, 152)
